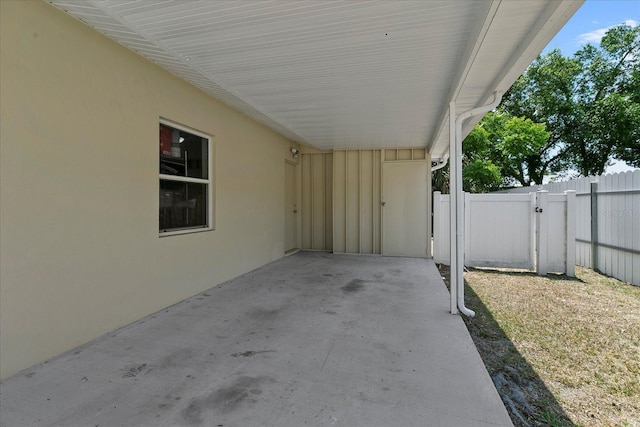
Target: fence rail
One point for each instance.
(607, 222)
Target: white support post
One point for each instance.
(570, 233)
(543, 232)
(453, 266)
(457, 200)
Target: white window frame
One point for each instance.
(209, 182)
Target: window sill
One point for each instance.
(184, 231)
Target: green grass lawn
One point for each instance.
(562, 351)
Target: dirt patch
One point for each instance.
(353, 286)
(251, 353)
(243, 391)
(561, 351)
(132, 371)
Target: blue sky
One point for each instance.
(588, 25)
(592, 20)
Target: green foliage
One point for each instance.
(590, 104)
(481, 176)
(503, 150)
(553, 419)
(521, 148)
(479, 173)
(499, 152)
(440, 180)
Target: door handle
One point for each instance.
(383, 203)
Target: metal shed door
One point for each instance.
(404, 201)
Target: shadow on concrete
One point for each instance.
(525, 395)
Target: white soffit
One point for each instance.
(338, 74)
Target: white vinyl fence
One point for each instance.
(607, 209)
(533, 231)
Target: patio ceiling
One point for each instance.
(338, 74)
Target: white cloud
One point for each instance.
(593, 36)
(596, 35)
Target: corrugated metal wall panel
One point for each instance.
(356, 210)
(339, 202)
(317, 201)
(328, 206)
(305, 202)
(352, 179)
(366, 198)
(357, 192)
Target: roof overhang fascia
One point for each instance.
(554, 16)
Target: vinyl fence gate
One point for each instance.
(534, 231)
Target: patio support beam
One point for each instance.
(453, 267)
(456, 201)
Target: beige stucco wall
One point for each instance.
(79, 246)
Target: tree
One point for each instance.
(440, 180)
(519, 147)
(499, 152)
(590, 103)
(503, 150)
(479, 173)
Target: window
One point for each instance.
(185, 180)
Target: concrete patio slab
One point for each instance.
(313, 339)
